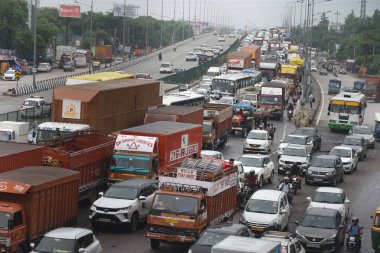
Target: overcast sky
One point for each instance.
(260, 13)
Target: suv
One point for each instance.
(39, 104)
(261, 165)
(303, 140)
(266, 210)
(126, 202)
(69, 66)
(289, 243)
(325, 169)
(294, 154)
(321, 230)
(348, 156)
(366, 133)
(166, 67)
(313, 133)
(358, 144)
(258, 141)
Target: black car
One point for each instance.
(217, 233)
(325, 169)
(358, 143)
(323, 72)
(321, 230)
(202, 59)
(313, 133)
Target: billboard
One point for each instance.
(130, 10)
(69, 11)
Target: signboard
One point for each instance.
(14, 187)
(185, 141)
(235, 63)
(71, 109)
(187, 173)
(210, 113)
(135, 143)
(17, 74)
(183, 152)
(271, 91)
(69, 11)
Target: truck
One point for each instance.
(238, 60)
(33, 201)
(217, 125)
(371, 88)
(251, 96)
(80, 60)
(106, 106)
(350, 64)
(255, 51)
(89, 153)
(97, 77)
(272, 96)
(192, 196)
(291, 72)
(174, 113)
(140, 152)
(103, 53)
(63, 50)
(242, 119)
(240, 244)
(12, 131)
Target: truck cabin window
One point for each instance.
(132, 164)
(4, 220)
(175, 204)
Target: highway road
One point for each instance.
(8, 104)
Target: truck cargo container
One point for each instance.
(103, 53)
(255, 51)
(217, 125)
(12, 131)
(143, 150)
(272, 97)
(269, 69)
(97, 77)
(17, 155)
(239, 60)
(106, 106)
(192, 196)
(89, 153)
(239, 244)
(183, 114)
(371, 88)
(33, 201)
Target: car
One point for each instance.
(366, 133)
(96, 65)
(294, 153)
(232, 35)
(143, 76)
(257, 141)
(68, 239)
(10, 74)
(202, 58)
(221, 39)
(348, 156)
(191, 56)
(330, 197)
(220, 47)
(204, 47)
(313, 68)
(321, 230)
(325, 169)
(179, 70)
(313, 133)
(266, 210)
(323, 71)
(197, 51)
(262, 165)
(166, 67)
(44, 67)
(39, 105)
(125, 202)
(184, 87)
(69, 66)
(119, 60)
(217, 233)
(289, 243)
(343, 71)
(212, 153)
(208, 52)
(216, 50)
(296, 139)
(358, 143)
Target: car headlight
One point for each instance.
(371, 140)
(329, 173)
(281, 162)
(264, 145)
(93, 208)
(125, 209)
(330, 239)
(308, 172)
(273, 223)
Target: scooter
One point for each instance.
(290, 114)
(246, 194)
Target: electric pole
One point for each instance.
(337, 13)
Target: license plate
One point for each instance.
(170, 238)
(104, 219)
(318, 179)
(257, 229)
(313, 245)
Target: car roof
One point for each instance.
(295, 146)
(307, 128)
(135, 182)
(68, 232)
(227, 228)
(353, 137)
(272, 195)
(361, 126)
(255, 156)
(258, 131)
(328, 157)
(322, 211)
(329, 189)
(296, 135)
(342, 147)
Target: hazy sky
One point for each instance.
(262, 13)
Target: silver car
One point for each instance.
(366, 133)
(349, 157)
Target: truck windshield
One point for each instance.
(4, 218)
(226, 86)
(51, 244)
(334, 85)
(249, 97)
(370, 87)
(131, 164)
(44, 135)
(271, 100)
(5, 136)
(207, 128)
(175, 204)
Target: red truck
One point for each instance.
(255, 51)
(272, 97)
(192, 196)
(33, 201)
(217, 124)
(140, 152)
(174, 113)
(87, 152)
(371, 89)
(238, 60)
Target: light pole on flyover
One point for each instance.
(91, 12)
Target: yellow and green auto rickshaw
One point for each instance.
(375, 230)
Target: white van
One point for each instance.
(213, 71)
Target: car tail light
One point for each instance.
(284, 249)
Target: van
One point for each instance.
(214, 71)
(334, 86)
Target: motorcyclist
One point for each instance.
(160, 56)
(355, 228)
(296, 171)
(290, 107)
(287, 187)
(251, 180)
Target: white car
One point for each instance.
(198, 51)
(258, 141)
(44, 67)
(208, 52)
(330, 197)
(166, 67)
(212, 153)
(289, 244)
(296, 139)
(313, 68)
(348, 156)
(191, 56)
(215, 50)
(41, 107)
(221, 39)
(68, 239)
(125, 202)
(119, 60)
(266, 210)
(10, 74)
(294, 154)
(262, 165)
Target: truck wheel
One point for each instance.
(134, 222)
(154, 244)
(19, 249)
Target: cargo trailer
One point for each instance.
(183, 114)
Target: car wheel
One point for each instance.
(154, 244)
(365, 155)
(261, 182)
(333, 182)
(134, 222)
(270, 180)
(342, 178)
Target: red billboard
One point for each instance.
(69, 11)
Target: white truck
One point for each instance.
(11, 131)
(51, 130)
(80, 61)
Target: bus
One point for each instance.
(184, 98)
(233, 85)
(346, 110)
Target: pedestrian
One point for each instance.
(311, 100)
(287, 188)
(265, 122)
(271, 131)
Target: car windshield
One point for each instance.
(211, 238)
(361, 130)
(30, 103)
(304, 131)
(323, 162)
(165, 65)
(334, 84)
(318, 221)
(251, 161)
(295, 140)
(257, 136)
(131, 164)
(352, 142)
(175, 203)
(294, 151)
(10, 72)
(56, 245)
(207, 128)
(262, 206)
(121, 192)
(328, 197)
(341, 152)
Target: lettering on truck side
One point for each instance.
(183, 152)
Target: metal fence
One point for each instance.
(35, 115)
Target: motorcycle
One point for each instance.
(290, 114)
(246, 194)
(296, 183)
(336, 73)
(353, 242)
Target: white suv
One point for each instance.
(125, 202)
(289, 244)
(166, 67)
(261, 164)
(257, 141)
(294, 154)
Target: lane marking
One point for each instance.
(284, 133)
(322, 100)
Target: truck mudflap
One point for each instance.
(171, 238)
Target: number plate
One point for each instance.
(104, 219)
(318, 179)
(257, 229)
(313, 245)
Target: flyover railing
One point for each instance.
(34, 115)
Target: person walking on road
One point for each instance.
(311, 100)
(287, 187)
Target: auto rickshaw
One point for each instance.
(242, 119)
(375, 230)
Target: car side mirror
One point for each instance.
(81, 250)
(347, 201)
(282, 211)
(142, 198)
(308, 199)
(296, 222)
(101, 194)
(32, 245)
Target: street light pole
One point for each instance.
(125, 2)
(146, 27)
(34, 42)
(90, 44)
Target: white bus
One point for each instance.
(346, 110)
(184, 98)
(232, 85)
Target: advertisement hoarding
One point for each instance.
(69, 11)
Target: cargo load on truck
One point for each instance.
(97, 77)
(217, 125)
(239, 60)
(140, 152)
(255, 51)
(192, 196)
(106, 106)
(173, 113)
(273, 97)
(371, 88)
(103, 53)
(12, 131)
(240, 244)
(89, 153)
(33, 201)
(290, 72)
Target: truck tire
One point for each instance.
(134, 225)
(154, 244)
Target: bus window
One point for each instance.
(350, 109)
